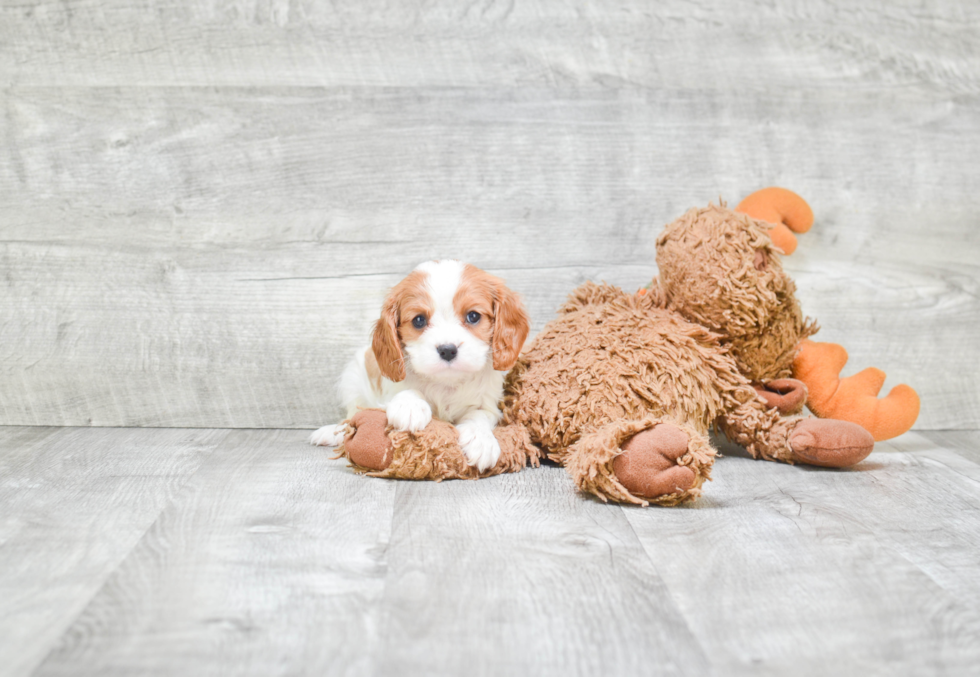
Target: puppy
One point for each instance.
(447, 336)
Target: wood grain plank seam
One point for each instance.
(383, 603)
(638, 543)
(96, 590)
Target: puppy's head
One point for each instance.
(447, 320)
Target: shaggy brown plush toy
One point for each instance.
(621, 389)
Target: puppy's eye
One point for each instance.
(472, 317)
(419, 321)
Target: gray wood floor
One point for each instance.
(198, 552)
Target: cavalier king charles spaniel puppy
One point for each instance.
(447, 336)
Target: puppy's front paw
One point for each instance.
(408, 411)
(479, 446)
(329, 435)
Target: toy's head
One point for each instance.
(719, 269)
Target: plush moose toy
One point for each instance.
(621, 389)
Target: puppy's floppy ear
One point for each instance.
(386, 345)
(510, 327)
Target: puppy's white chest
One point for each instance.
(450, 402)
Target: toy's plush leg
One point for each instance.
(854, 398)
(787, 211)
(647, 461)
(433, 453)
(814, 441)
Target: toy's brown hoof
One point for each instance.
(830, 443)
(648, 465)
(785, 394)
(368, 446)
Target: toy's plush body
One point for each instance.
(622, 388)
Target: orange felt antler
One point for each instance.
(854, 398)
(783, 208)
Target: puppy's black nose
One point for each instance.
(447, 352)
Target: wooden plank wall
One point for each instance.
(202, 202)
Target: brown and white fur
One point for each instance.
(447, 336)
